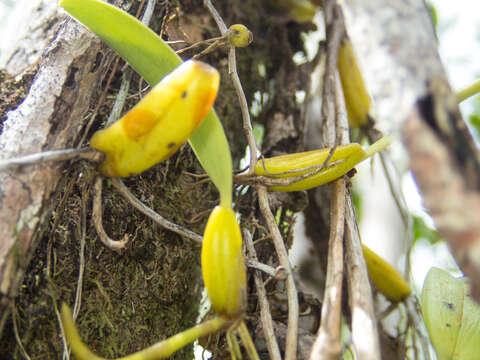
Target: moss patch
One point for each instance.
(12, 91)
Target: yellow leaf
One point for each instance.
(344, 158)
(160, 123)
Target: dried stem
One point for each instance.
(122, 94)
(293, 310)
(364, 326)
(402, 207)
(364, 329)
(247, 124)
(52, 155)
(212, 43)
(328, 343)
(266, 316)
(216, 16)
(413, 314)
(120, 186)
(255, 264)
(335, 31)
(82, 235)
(100, 101)
(232, 70)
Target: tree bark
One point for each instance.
(50, 117)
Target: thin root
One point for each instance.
(115, 245)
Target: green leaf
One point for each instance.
(152, 58)
(451, 316)
(422, 231)
(442, 307)
(474, 121)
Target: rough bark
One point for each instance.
(50, 117)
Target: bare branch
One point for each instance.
(266, 316)
(293, 309)
(328, 343)
(364, 326)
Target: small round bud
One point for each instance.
(239, 35)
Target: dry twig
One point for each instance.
(51, 155)
(266, 316)
(120, 186)
(232, 69)
(328, 343)
(253, 263)
(82, 233)
(364, 327)
(293, 308)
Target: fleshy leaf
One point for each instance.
(442, 308)
(468, 341)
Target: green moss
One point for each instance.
(12, 92)
(130, 300)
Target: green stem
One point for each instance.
(159, 350)
(247, 341)
(469, 91)
(377, 146)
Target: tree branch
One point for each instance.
(328, 345)
(292, 298)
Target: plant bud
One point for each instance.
(223, 265)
